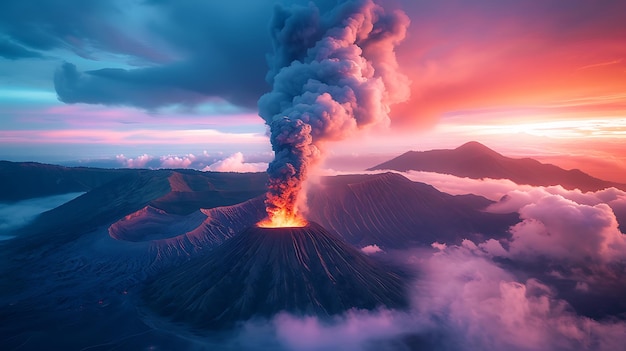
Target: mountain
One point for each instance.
(392, 211)
(474, 160)
(387, 210)
(263, 271)
(89, 258)
(175, 193)
(116, 265)
(25, 180)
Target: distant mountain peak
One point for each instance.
(476, 148)
(477, 161)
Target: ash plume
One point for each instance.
(332, 74)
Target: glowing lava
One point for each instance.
(281, 219)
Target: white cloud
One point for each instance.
(461, 300)
(520, 197)
(481, 306)
(137, 162)
(439, 246)
(351, 331)
(492, 189)
(557, 224)
(190, 160)
(371, 249)
(236, 163)
(177, 161)
(562, 229)
(15, 215)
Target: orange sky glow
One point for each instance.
(536, 79)
(551, 86)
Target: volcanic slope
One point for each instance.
(25, 180)
(169, 192)
(475, 160)
(392, 211)
(387, 210)
(262, 271)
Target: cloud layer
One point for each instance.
(236, 163)
(204, 162)
(555, 283)
(15, 215)
(462, 300)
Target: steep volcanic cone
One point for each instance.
(262, 271)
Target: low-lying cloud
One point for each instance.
(371, 249)
(536, 289)
(533, 290)
(461, 300)
(562, 229)
(482, 305)
(15, 215)
(236, 163)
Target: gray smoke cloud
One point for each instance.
(332, 73)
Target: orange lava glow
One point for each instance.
(281, 219)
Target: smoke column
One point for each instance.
(332, 74)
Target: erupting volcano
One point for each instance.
(332, 74)
(282, 218)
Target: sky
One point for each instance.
(176, 83)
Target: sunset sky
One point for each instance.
(177, 81)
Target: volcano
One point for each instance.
(263, 271)
(477, 161)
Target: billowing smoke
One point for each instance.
(332, 74)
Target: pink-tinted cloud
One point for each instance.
(236, 163)
(461, 300)
(55, 116)
(557, 224)
(138, 162)
(129, 137)
(148, 161)
(352, 331)
(371, 249)
(563, 230)
(167, 161)
(492, 189)
(484, 307)
(177, 161)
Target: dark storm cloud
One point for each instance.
(222, 51)
(188, 82)
(13, 51)
(85, 27)
(148, 88)
(218, 49)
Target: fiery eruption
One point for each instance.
(332, 74)
(281, 219)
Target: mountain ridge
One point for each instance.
(477, 161)
(25, 180)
